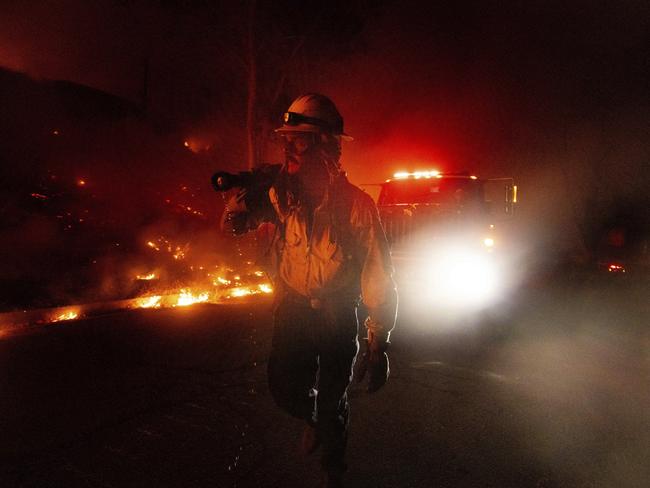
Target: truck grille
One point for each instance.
(400, 222)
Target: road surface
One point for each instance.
(550, 391)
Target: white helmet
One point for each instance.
(313, 113)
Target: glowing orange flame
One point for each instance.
(147, 277)
(186, 298)
(240, 292)
(148, 302)
(265, 288)
(220, 281)
(69, 315)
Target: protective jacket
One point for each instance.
(334, 253)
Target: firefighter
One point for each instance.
(330, 251)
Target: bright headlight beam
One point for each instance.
(460, 278)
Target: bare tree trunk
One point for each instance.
(252, 88)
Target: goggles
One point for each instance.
(294, 118)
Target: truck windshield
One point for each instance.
(447, 191)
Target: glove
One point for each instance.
(374, 362)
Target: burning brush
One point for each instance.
(194, 282)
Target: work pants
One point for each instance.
(310, 367)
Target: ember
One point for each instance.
(178, 252)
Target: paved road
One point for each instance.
(552, 391)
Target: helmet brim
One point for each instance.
(308, 128)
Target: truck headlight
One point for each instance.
(462, 277)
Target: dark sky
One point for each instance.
(553, 93)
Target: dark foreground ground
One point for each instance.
(551, 391)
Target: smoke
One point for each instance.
(557, 377)
(581, 363)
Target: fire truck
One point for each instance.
(448, 234)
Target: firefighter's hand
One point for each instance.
(374, 363)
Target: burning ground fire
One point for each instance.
(69, 315)
(223, 285)
(222, 289)
(211, 284)
(159, 270)
(199, 285)
(183, 297)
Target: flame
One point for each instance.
(186, 298)
(148, 302)
(265, 288)
(240, 292)
(150, 276)
(69, 315)
(182, 297)
(210, 283)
